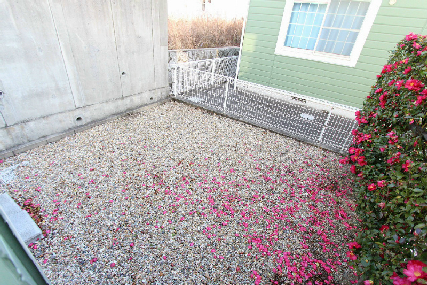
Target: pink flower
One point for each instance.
(353, 244)
(407, 165)
(353, 169)
(399, 281)
(414, 270)
(416, 45)
(381, 205)
(344, 160)
(112, 265)
(420, 99)
(384, 228)
(381, 183)
(414, 85)
(351, 255)
(368, 282)
(372, 187)
(411, 36)
(362, 161)
(407, 70)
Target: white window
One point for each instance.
(331, 31)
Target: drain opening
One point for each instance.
(78, 119)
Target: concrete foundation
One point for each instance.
(68, 64)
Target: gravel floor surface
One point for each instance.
(178, 195)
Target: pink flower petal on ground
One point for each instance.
(112, 265)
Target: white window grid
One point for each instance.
(354, 34)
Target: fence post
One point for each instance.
(213, 71)
(175, 80)
(324, 126)
(226, 95)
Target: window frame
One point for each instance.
(325, 57)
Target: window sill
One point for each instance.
(317, 56)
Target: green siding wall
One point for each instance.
(340, 84)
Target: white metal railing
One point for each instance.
(316, 121)
(225, 66)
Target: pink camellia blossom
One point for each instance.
(344, 160)
(372, 187)
(399, 281)
(407, 164)
(414, 270)
(381, 205)
(420, 99)
(384, 228)
(414, 85)
(353, 169)
(368, 282)
(112, 265)
(411, 36)
(381, 183)
(407, 70)
(399, 84)
(351, 255)
(362, 161)
(416, 45)
(354, 244)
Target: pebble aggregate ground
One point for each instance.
(179, 195)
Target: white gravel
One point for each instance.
(178, 195)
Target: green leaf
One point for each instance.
(420, 226)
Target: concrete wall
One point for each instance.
(68, 63)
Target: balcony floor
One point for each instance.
(179, 195)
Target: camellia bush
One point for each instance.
(388, 158)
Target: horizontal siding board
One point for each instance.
(262, 31)
(318, 92)
(260, 37)
(259, 70)
(403, 21)
(263, 24)
(313, 79)
(387, 38)
(270, 18)
(417, 4)
(391, 11)
(261, 49)
(256, 65)
(377, 61)
(269, 4)
(282, 60)
(334, 86)
(251, 77)
(386, 29)
(264, 11)
(251, 44)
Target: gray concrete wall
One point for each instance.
(66, 59)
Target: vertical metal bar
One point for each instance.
(324, 127)
(175, 81)
(213, 71)
(226, 95)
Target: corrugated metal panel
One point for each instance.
(340, 84)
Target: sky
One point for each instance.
(227, 9)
